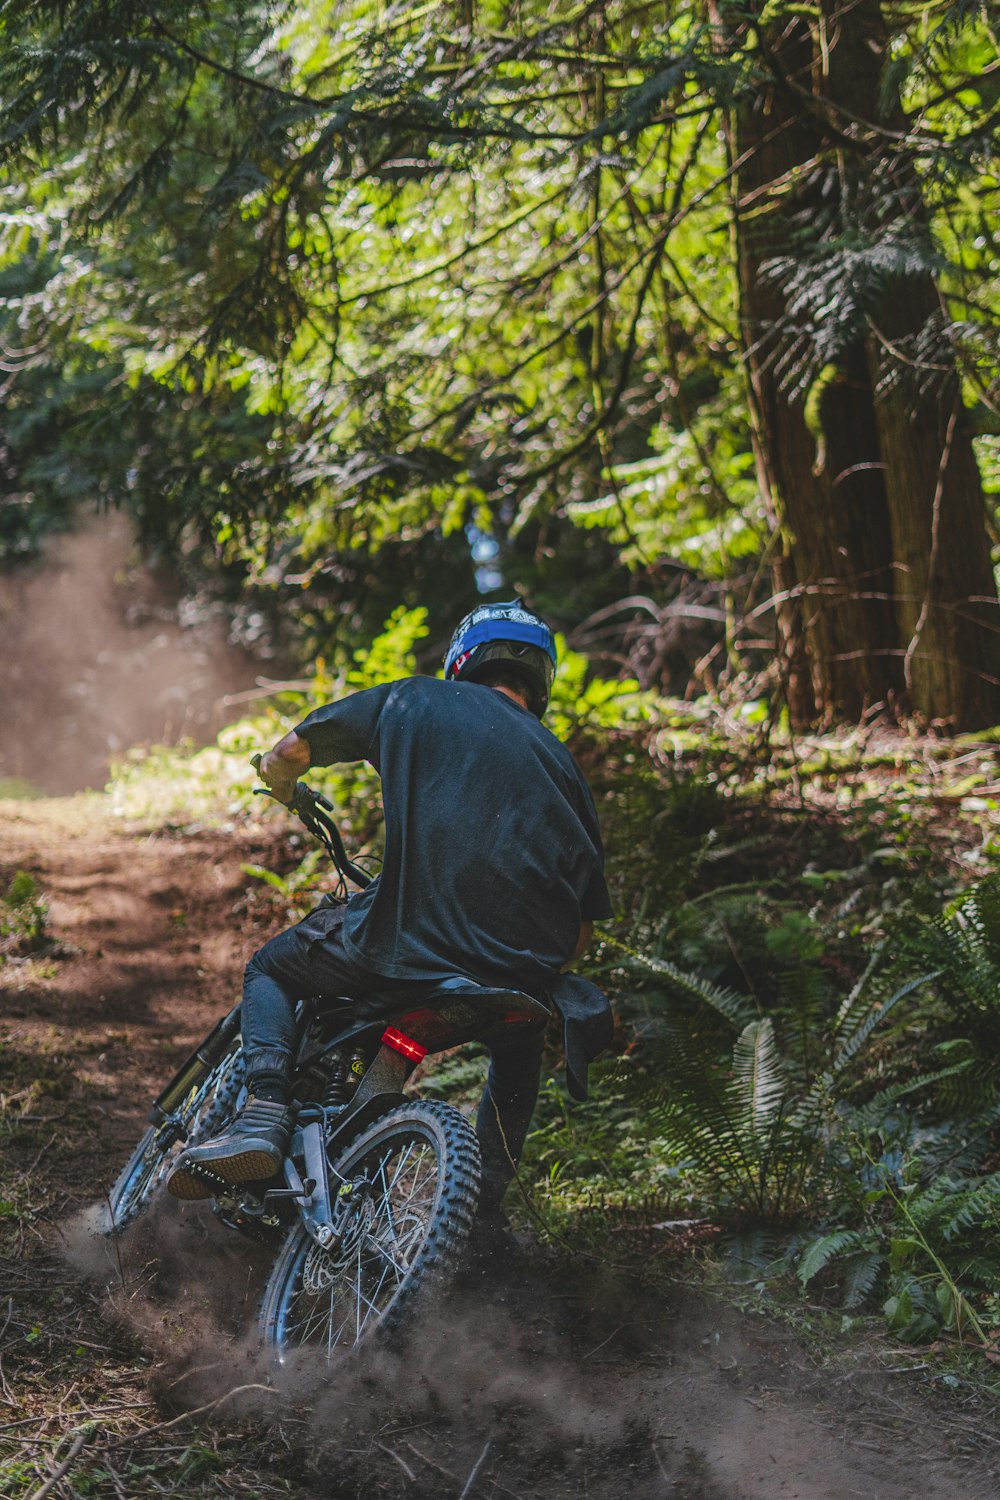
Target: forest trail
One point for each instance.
(101, 653)
(565, 1379)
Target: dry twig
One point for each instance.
(475, 1470)
(60, 1473)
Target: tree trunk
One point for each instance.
(946, 593)
(883, 579)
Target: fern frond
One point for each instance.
(873, 1110)
(973, 1208)
(733, 1008)
(758, 1088)
(818, 1253)
(860, 1027)
(862, 1273)
(963, 943)
(860, 986)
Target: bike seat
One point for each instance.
(463, 1011)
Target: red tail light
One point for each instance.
(403, 1044)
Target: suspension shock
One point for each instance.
(338, 1089)
(359, 1062)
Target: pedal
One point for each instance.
(306, 1191)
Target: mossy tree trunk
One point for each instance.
(884, 589)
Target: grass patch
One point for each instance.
(18, 789)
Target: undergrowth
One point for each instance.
(24, 915)
(805, 969)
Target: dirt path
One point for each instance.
(101, 653)
(562, 1379)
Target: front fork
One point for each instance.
(196, 1067)
(325, 1201)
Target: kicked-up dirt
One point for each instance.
(131, 1368)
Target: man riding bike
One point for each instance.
(493, 872)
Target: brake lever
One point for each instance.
(305, 804)
(265, 791)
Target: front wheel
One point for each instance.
(202, 1114)
(413, 1179)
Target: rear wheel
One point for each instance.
(200, 1115)
(414, 1182)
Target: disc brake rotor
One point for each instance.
(323, 1267)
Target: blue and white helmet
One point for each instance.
(510, 635)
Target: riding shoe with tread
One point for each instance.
(251, 1150)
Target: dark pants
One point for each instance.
(310, 959)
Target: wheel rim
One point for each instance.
(339, 1295)
(202, 1113)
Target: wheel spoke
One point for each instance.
(414, 1170)
(202, 1113)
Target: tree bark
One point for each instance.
(946, 600)
(883, 581)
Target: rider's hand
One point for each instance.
(281, 767)
(274, 773)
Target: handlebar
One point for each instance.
(313, 810)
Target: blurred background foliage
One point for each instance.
(354, 305)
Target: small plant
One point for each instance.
(963, 944)
(24, 915)
(929, 1250)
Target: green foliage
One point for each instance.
(932, 1250)
(733, 1008)
(391, 655)
(930, 1233)
(873, 1079)
(24, 915)
(329, 305)
(180, 784)
(963, 943)
(751, 1122)
(582, 700)
(696, 499)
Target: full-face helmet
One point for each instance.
(506, 640)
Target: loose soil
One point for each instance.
(132, 1367)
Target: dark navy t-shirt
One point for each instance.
(493, 853)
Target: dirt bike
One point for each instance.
(378, 1190)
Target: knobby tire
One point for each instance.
(202, 1114)
(416, 1177)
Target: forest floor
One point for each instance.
(130, 1369)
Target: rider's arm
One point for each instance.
(282, 766)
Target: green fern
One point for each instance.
(734, 1124)
(759, 1087)
(963, 943)
(756, 1127)
(868, 1116)
(861, 1276)
(733, 1008)
(946, 1209)
(819, 1253)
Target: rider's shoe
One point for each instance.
(251, 1150)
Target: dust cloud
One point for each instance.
(483, 1373)
(99, 654)
(548, 1380)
